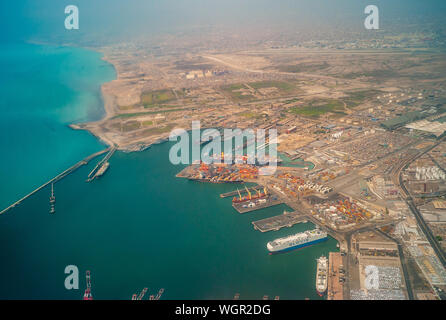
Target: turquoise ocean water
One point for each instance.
(42, 90)
(137, 226)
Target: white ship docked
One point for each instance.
(321, 275)
(296, 241)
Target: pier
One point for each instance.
(101, 166)
(235, 193)
(249, 206)
(335, 275)
(57, 178)
(287, 219)
(52, 200)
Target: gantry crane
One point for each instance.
(87, 293)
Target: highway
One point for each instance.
(408, 198)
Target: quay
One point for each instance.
(335, 289)
(186, 172)
(235, 193)
(101, 166)
(287, 219)
(249, 206)
(57, 178)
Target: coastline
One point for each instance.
(110, 106)
(108, 103)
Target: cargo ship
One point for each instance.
(102, 169)
(321, 275)
(296, 241)
(250, 197)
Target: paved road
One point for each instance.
(418, 216)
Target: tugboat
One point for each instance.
(321, 275)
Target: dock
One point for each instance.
(249, 206)
(335, 289)
(57, 178)
(287, 219)
(242, 190)
(186, 172)
(102, 165)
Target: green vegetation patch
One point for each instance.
(156, 98)
(147, 123)
(355, 98)
(250, 114)
(233, 87)
(319, 107)
(303, 67)
(126, 107)
(233, 91)
(159, 130)
(130, 126)
(281, 85)
(137, 114)
(292, 100)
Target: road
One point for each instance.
(408, 198)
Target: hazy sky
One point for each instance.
(42, 19)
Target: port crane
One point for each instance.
(141, 294)
(151, 297)
(249, 193)
(159, 294)
(87, 293)
(239, 195)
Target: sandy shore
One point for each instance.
(96, 128)
(112, 96)
(110, 105)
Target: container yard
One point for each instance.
(341, 213)
(296, 185)
(219, 173)
(371, 145)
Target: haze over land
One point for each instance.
(105, 21)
